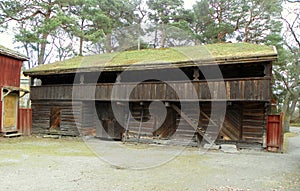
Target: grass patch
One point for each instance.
(286, 143)
(295, 125)
(163, 55)
(16, 147)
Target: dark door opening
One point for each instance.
(55, 118)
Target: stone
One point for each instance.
(229, 148)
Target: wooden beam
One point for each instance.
(140, 125)
(241, 122)
(206, 116)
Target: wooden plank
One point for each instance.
(235, 90)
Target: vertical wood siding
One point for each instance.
(10, 70)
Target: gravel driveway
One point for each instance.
(39, 164)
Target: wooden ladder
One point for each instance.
(140, 125)
(128, 125)
(125, 134)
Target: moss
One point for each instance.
(166, 55)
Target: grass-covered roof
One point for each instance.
(222, 53)
(11, 53)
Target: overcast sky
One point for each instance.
(6, 38)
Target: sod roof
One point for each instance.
(222, 53)
(11, 53)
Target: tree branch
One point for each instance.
(291, 30)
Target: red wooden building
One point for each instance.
(10, 91)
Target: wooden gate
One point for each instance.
(25, 121)
(275, 133)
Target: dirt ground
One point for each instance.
(39, 164)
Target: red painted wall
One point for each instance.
(10, 70)
(0, 108)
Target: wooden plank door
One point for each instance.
(10, 113)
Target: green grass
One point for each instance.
(295, 124)
(286, 143)
(165, 55)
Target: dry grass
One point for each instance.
(286, 143)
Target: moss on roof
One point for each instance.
(154, 57)
(11, 53)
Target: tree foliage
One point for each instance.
(36, 21)
(290, 71)
(164, 12)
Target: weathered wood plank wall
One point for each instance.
(231, 90)
(10, 69)
(70, 117)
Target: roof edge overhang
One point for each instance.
(14, 55)
(14, 89)
(164, 65)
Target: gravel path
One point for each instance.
(38, 164)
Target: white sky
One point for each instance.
(6, 38)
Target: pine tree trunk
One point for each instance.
(248, 25)
(108, 45)
(286, 123)
(81, 39)
(163, 35)
(41, 56)
(285, 111)
(80, 46)
(289, 106)
(155, 38)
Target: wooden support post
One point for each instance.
(141, 122)
(241, 122)
(206, 116)
(81, 79)
(126, 128)
(196, 74)
(267, 69)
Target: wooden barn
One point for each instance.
(193, 94)
(11, 63)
